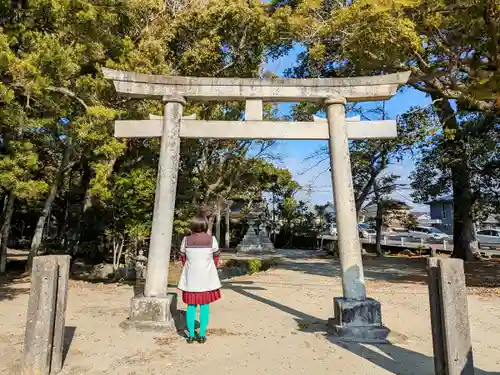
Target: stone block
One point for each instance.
(39, 332)
(357, 313)
(455, 318)
(63, 264)
(358, 321)
(152, 313)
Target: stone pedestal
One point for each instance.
(152, 313)
(265, 242)
(250, 242)
(358, 321)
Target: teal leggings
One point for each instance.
(191, 319)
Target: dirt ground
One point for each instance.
(271, 322)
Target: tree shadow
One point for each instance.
(395, 269)
(8, 292)
(393, 358)
(180, 323)
(9, 281)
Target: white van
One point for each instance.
(428, 233)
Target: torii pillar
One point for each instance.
(356, 317)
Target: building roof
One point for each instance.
(418, 213)
(442, 199)
(491, 220)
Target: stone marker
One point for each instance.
(357, 318)
(44, 336)
(449, 317)
(39, 333)
(63, 263)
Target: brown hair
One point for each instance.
(199, 224)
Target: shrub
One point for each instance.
(254, 266)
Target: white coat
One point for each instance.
(199, 273)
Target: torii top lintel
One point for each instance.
(353, 89)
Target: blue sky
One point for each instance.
(317, 185)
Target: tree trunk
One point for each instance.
(5, 231)
(378, 229)
(227, 233)
(61, 232)
(464, 241)
(218, 223)
(40, 225)
(117, 254)
(63, 222)
(210, 224)
(81, 207)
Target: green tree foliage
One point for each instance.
(82, 188)
(451, 48)
(480, 138)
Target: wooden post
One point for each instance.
(449, 317)
(44, 335)
(40, 323)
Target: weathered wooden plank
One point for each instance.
(458, 357)
(39, 332)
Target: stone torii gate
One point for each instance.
(357, 318)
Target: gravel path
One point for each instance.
(273, 322)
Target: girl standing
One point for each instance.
(199, 279)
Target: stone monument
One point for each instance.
(357, 318)
(140, 266)
(251, 241)
(265, 242)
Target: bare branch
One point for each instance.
(68, 92)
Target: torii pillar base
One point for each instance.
(152, 313)
(358, 321)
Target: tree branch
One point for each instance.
(68, 92)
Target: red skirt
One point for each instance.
(201, 298)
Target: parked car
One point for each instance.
(489, 238)
(428, 233)
(366, 231)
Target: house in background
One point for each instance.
(442, 209)
(424, 219)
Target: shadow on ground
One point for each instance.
(10, 282)
(69, 335)
(393, 269)
(393, 358)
